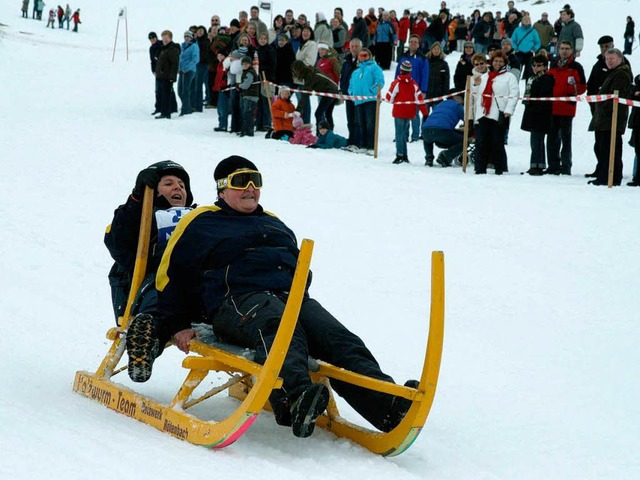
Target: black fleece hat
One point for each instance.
(230, 164)
(169, 167)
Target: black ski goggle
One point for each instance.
(240, 180)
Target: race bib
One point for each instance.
(167, 221)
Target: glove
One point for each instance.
(312, 146)
(149, 177)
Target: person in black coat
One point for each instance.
(629, 36)
(172, 199)
(538, 114)
(464, 67)
(438, 73)
(634, 124)
(154, 52)
(285, 56)
(268, 63)
(166, 73)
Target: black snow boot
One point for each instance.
(399, 408)
(142, 347)
(306, 409)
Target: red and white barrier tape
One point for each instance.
(341, 96)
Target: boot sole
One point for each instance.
(142, 347)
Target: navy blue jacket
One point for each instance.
(445, 115)
(216, 252)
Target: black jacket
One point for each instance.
(204, 46)
(285, 56)
(438, 77)
(217, 253)
(463, 70)
(168, 62)
(538, 114)
(618, 79)
(267, 59)
(154, 53)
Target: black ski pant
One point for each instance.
(602, 169)
(166, 97)
(252, 320)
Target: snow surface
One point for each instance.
(539, 374)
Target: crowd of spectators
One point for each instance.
(252, 72)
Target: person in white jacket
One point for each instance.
(307, 53)
(496, 98)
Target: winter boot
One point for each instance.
(142, 347)
(399, 408)
(442, 160)
(306, 409)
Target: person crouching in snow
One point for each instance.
(328, 139)
(402, 90)
(283, 115)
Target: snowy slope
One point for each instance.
(539, 370)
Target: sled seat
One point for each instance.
(214, 352)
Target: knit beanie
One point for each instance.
(230, 164)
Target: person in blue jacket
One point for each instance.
(384, 40)
(189, 58)
(327, 138)
(365, 81)
(526, 43)
(172, 200)
(439, 129)
(237, 261)
(420, 73)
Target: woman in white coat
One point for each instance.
(496, 98)
(307, 53)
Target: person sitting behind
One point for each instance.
(328, 139)
(172, 200)
(283, 114)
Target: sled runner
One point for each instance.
(252, 383)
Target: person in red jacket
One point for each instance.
(569, 81)
(419, 26)
(76, 20)
(404, 25)
(402, 91)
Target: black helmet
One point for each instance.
(169, 167)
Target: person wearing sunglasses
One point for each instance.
(237, 261)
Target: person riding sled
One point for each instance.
(172, 200)
(237, 261)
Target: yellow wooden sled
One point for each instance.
(252, 383)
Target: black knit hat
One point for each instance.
(230, 164)
(605, 39)
(235, 23)
(169, 167)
